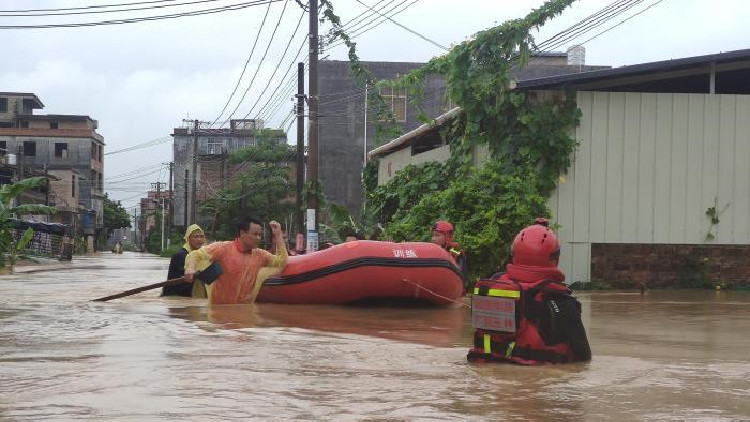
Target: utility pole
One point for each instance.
(160, 197)
(20, 171)
(300, 145)
(171, 204)
(364, 156)
(187, 181)
(135, 226)
(194, 193)
(312, 199)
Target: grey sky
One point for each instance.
(139, 80)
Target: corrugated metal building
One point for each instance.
(660, 183)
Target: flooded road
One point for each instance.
(665, 355)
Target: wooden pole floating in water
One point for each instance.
(141, 289)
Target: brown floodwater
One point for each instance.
(670, 355)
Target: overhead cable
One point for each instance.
(244, 68)
(231, 7)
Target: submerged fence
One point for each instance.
(50, 240)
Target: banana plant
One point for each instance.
(10, 249)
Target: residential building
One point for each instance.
(150, 208)
(65, 146)
(214, 173)
(343, 126)
(659, 188)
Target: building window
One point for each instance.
(101, 181)
(24, 124)
(61, 150)
(53, 125)
(93, 150)
(73, 187)
(3, 147)
(215, 146)
(29, 148)
(396, 99)
(101, 153)
(6, 125)
(3, 105)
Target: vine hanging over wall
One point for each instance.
(529, 140)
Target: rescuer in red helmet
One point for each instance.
(536, 246)
(528, 315)
(442, 235)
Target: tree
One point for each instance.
(10, 248)
(263, 189)
(115, 216)
(529, 140)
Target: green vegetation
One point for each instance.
(529, 140)
(263, 188)
(11, 249)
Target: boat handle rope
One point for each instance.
(436, 294)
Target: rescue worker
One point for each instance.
(442, 235)
(528, 315)
(240, 260)
(194, 239)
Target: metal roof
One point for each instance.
(634, 70)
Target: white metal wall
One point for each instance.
(648, 167)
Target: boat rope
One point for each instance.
(436, 294)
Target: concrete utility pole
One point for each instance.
(20, 171)
(171, 204)
(194, 194)
(160, 197)
(299, 216)
(135, 226)
(187, 181)
(312, 200)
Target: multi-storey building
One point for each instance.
(213, 170)
(67, 147)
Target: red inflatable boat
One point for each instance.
(366, 270)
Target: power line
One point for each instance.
(607, 13)
(404, 27)
(244, 68)
(623, 21)
(257, 69)
(304, 42)
(99, 6)
(231, 7)
(91, 12)
(150, 143)
(372, 25)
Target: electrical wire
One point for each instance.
(91, 12)
(257, 69)
(244, 68)
(276, 69)
(405, 28)
(231, 7)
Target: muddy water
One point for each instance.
(665, 355)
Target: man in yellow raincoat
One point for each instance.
(194, 239)
(240, 259)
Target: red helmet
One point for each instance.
(446, 228)
(443, 226)
(536, 246)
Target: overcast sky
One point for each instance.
(140, 80)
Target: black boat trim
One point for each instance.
(361, 262)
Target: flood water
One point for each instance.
(666, 355)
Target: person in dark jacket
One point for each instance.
(194, 239)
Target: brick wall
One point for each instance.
(626, 266)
